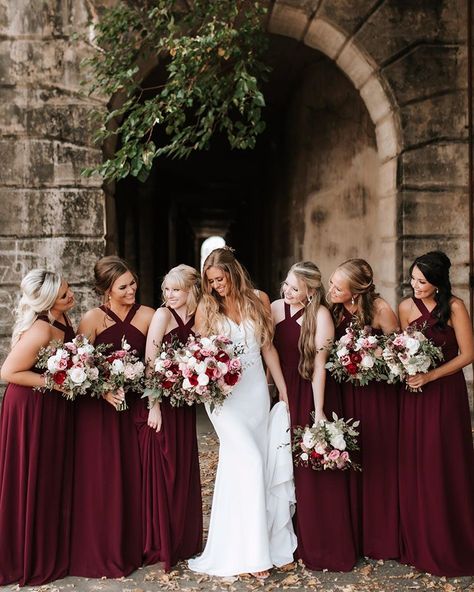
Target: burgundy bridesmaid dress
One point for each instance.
(36, 454)
(323, 520)
(374, 491)
(437, 468)
(171, 485)
(106, 510)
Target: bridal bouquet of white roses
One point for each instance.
(357, 357)
(121, 370)
(73, 366)
(327, 445)
(409, 353)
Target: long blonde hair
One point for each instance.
(308, 273)
(186, 278)
(40, 289)
(360, 277)
(241, 291)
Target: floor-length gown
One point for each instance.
(106, 517)
(323, 520)
(437, 467)
(374, 490)
(250, 527)
(171, 485)
(36, 438)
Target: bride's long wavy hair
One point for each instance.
(241, 291)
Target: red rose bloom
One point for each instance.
(352, 368)
(193, 380)
(59, 377)
(315, 454)
(167, 384)
(231, 379)
(356, 358)
(221, 356)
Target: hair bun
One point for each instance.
(443, 259)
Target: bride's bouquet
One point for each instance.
(121, 370)
(357, 357)
(204, 370)
(409, 353)
(327, 445)
(73, 366)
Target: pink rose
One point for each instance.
(235, 364)
(334, 455)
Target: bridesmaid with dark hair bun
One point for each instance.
(106, 517)
(171, 485)
(35, 441)
(436, 452)
(374, 491)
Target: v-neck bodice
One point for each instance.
(114, 334)
(443, 337)
(182, 331)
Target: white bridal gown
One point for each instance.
(250, 527)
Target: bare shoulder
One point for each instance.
(405, 305)
(277, 304)
(324, 315)
(457, 305)
(93, 316)
(381, 305)
(162, 313)
(146, 312)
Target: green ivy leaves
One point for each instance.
(213, 55)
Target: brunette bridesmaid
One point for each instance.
(303, 329)
(374, 491)
(106, 538)
(171, 487)
(436, 453)
(36, 431)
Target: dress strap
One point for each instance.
(131, 313)
(61, 326)
(116, 318)
(287, 311)
(298, 314)
(110, 313)
(176, 316)
(44, 318)
(420, 305)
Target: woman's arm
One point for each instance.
(385, 318)
(20, 360)
(324, 336)
(463, 330)
(154, 339)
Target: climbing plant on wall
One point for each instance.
(212, 54)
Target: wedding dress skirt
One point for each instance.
(250, 527)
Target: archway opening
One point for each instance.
(308, 190)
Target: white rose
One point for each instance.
(192, 362)
(342, 352)
(413, 345)
(52, 364)
(186, 384)
(304, 456)
(93, 373)
(308, 439)
(85, 349)
(200, 367)
(203, 379)
(367, 362)
(222, 367)
(116, 367)
(77, 375)
(338, 442)
(206, 343)
(333, 430)
(320, 447)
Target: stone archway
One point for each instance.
(320, 34)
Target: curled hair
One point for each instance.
(360, 277)
(107, 270)
(435, 267)
(184, 277)
(242, 291)
(40, 289)
(308, 273)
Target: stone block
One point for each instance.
(75, 256)
(440, 165)
(70, 160)
(348, 15)
(440, 212)
(325, 37)
(355, 64)
(51, 212)
(434, 118)
(26, 162)
(307, 6)
(388, 137)
(397, 25)
(427, 70)
(388, 181)
(288, 21)
(388, 208)
(376, 98)
(9, 296)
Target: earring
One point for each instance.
(310, 299)
(436, 291)
(352, 300)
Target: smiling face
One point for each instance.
(422, 288)
(219, 281)
(64, 301)
(123, 290)
(175, 297)
(339, 288)
(294, 290)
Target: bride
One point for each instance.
(250, 527)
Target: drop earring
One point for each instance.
(352, 300)
(310, 299)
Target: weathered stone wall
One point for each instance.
(49, 215)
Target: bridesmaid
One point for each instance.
(171, 486)
(35, 442)
(303, 327)
(436, 453)
(106, 516)
(374, 499)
